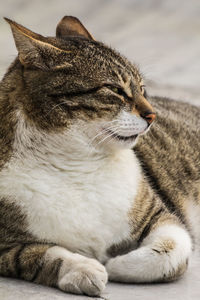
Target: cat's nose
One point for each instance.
(149, 116)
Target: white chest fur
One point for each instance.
(80, 204)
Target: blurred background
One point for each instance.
(161, 36)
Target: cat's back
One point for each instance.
(170, 155)
(173, 138)
(184, 114)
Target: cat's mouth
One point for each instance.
(129, 138)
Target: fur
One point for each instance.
(98, 181)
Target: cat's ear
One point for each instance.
(71, 26)
(32, 47)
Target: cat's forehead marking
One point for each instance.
(136, 75)
(125, 83)
(127, 73)
(62, 66)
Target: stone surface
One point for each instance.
(162, 37)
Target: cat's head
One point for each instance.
(75, 84)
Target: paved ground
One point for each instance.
(163, 38)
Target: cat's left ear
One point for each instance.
(34, 50)
(71, 26)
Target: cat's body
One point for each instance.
(71, 187)
(41, 183)
(174, 170)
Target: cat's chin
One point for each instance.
(125, 142)
(120, 141)
(121, 138)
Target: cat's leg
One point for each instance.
(53, 266)
(162, 256)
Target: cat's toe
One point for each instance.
(85, 278)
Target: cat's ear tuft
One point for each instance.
(71, 26)
(31, 46)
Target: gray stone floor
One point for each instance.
(163, 38)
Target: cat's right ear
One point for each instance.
(33, 49)
(71, 26)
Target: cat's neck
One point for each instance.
(66, 153)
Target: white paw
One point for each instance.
(86, 276)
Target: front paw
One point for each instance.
(87, 276)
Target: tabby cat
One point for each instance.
(87, 192)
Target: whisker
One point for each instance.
(114, 128)
(159, 128)
(92, 144)
(106, 137)
(103, 131)
(109, 135)
(57, 105)
(113, 121)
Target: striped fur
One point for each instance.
(78, 206)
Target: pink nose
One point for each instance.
(149, 117)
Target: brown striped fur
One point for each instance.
(54, 83)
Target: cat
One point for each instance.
(98, 181)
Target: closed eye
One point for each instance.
(74, 93)
(117, 90)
